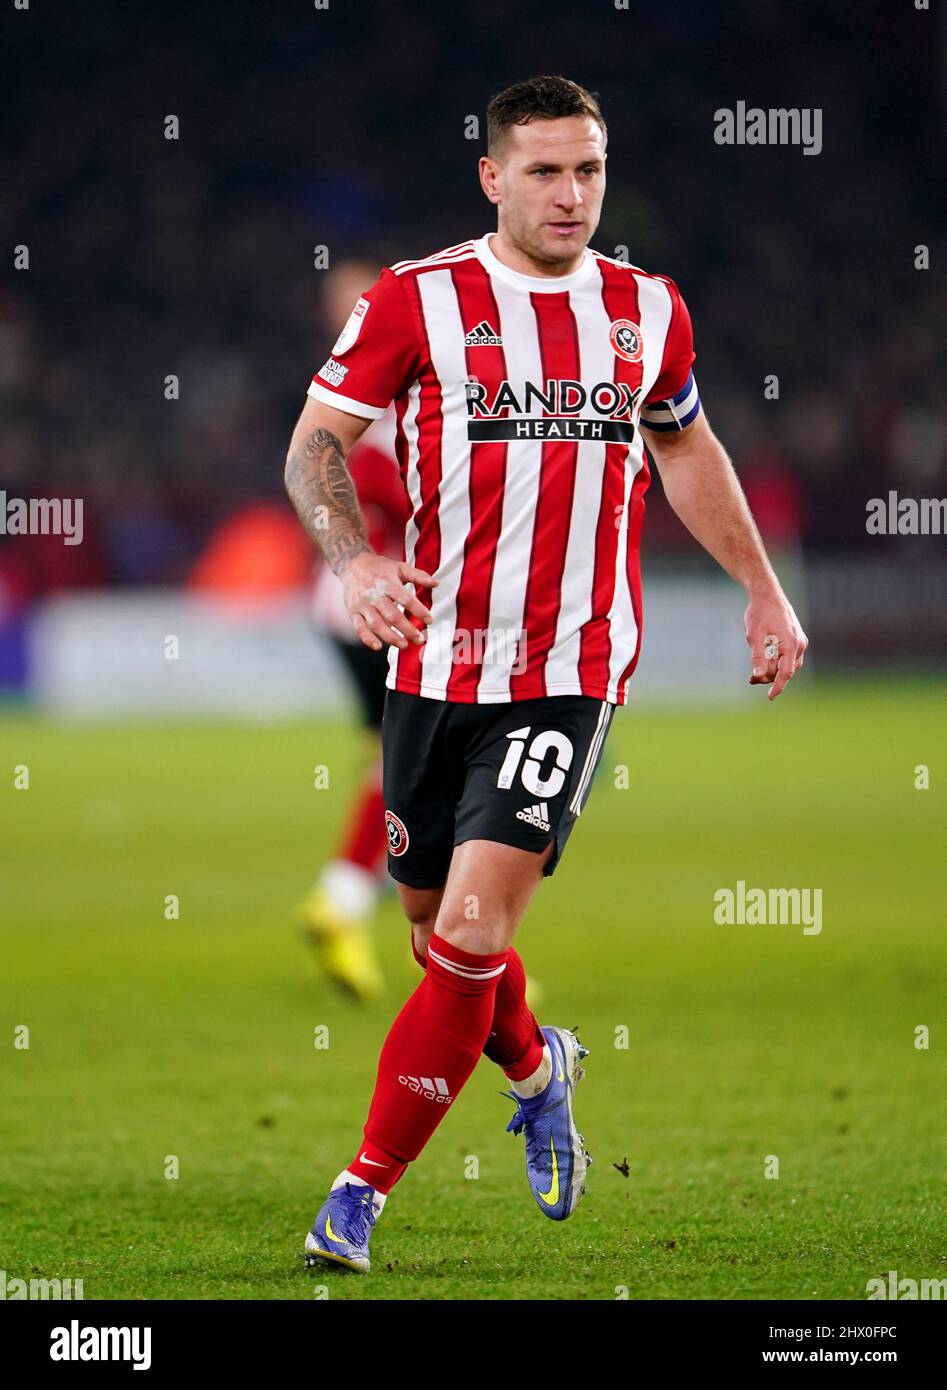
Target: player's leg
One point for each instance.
(514, 1028)
(437, 1038)
(480, 910)
(420, 792)
(529, 778)
(338, 910)
(434, 1043)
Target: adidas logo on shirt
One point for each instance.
(435, 1088)
(483, 336)
(535, 815)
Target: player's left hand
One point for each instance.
(776, 640)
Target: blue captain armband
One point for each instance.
(677, 412)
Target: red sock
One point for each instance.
(516, 1042)
(429, 1053)
(378, 1167)
(365, 841)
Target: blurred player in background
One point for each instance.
(337, 912)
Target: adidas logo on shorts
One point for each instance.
(535, 815)
(484, 335)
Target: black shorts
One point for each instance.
(518, 773)
(368, 670)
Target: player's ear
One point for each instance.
(489, 177)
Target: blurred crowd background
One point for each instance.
(345, 128)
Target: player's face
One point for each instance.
(548, 184)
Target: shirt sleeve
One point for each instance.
(673, 402)
(377, 355)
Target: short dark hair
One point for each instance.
(538, 99)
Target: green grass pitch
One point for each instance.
(194, 1037)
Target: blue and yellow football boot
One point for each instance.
(556, 1159)
(340, 1232)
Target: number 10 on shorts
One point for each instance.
(549, 739)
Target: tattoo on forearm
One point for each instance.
(321, 489)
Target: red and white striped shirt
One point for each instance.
(519, 401)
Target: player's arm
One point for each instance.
(321, 489)
(702, 487)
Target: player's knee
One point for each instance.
(483, 938)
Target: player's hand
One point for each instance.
(776, 639)
(375, 591)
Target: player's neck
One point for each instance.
(515, 259)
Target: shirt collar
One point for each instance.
(536, 284)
